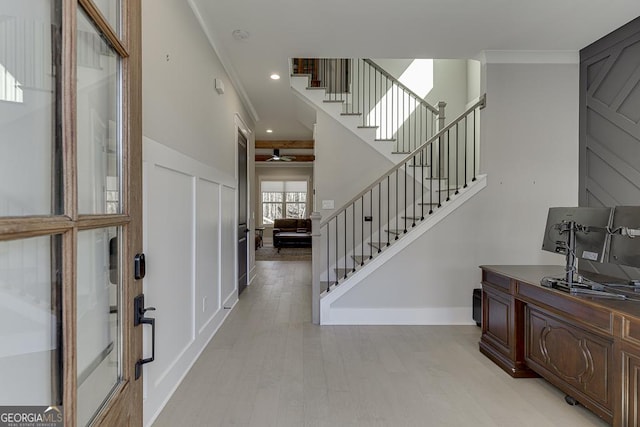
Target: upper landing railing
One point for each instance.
(383, 103)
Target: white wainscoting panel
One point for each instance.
(207, 252)
(170, 260)
(189, 240)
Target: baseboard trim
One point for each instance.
(400, 316)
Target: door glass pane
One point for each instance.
(30, 322)
(98, 319)
(98, 122)
(27, 108)
(110, 9)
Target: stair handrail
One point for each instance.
(384, 72)
(482, 101)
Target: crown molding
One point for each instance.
(529, 57)
(226, 64)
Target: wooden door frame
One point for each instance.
(125, 405)
(130, 389)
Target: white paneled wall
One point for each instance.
(189, 217)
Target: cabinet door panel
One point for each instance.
(631, 388)
(498, 319)
(564, 354)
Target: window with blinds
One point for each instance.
(283, 199)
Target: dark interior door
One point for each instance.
(243, 231)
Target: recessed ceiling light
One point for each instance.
(240, 34)
(269, 130)
(275, 76)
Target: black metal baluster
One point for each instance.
(336, 265)
(345, 244)
(388, 209)
(466, 148)
(353, 233)
(431, 179)
(413, 179)
(457, 157)
(379, 217)
(441, 143)
(397, 191)
(405, 197)
(448, 165)
(474, 146)
(334, 86)
(362, 231)
(371, 224)
(422, 163)
(328, 258)
(349, 84)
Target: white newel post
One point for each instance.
(316, 269)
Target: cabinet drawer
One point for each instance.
(496, 280)
(591, 315)
(631, 330)
(575, 360)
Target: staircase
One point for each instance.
(435, 172)
(369, 102)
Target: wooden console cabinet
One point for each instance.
(589, 348)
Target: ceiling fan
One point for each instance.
(278, 158)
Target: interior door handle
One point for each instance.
(139, 318)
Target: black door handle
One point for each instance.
(139, 318)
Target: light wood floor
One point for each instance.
(269, 366)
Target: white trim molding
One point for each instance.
(529, 57)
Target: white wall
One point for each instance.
(529, 150)
(190, 198)
(474, 80)
(181, 107)
(345, 164)
(450, 86)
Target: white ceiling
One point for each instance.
(282, 29)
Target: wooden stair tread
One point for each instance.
(377, 245)
(394, 231)
(343, 273)
(360, 259)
